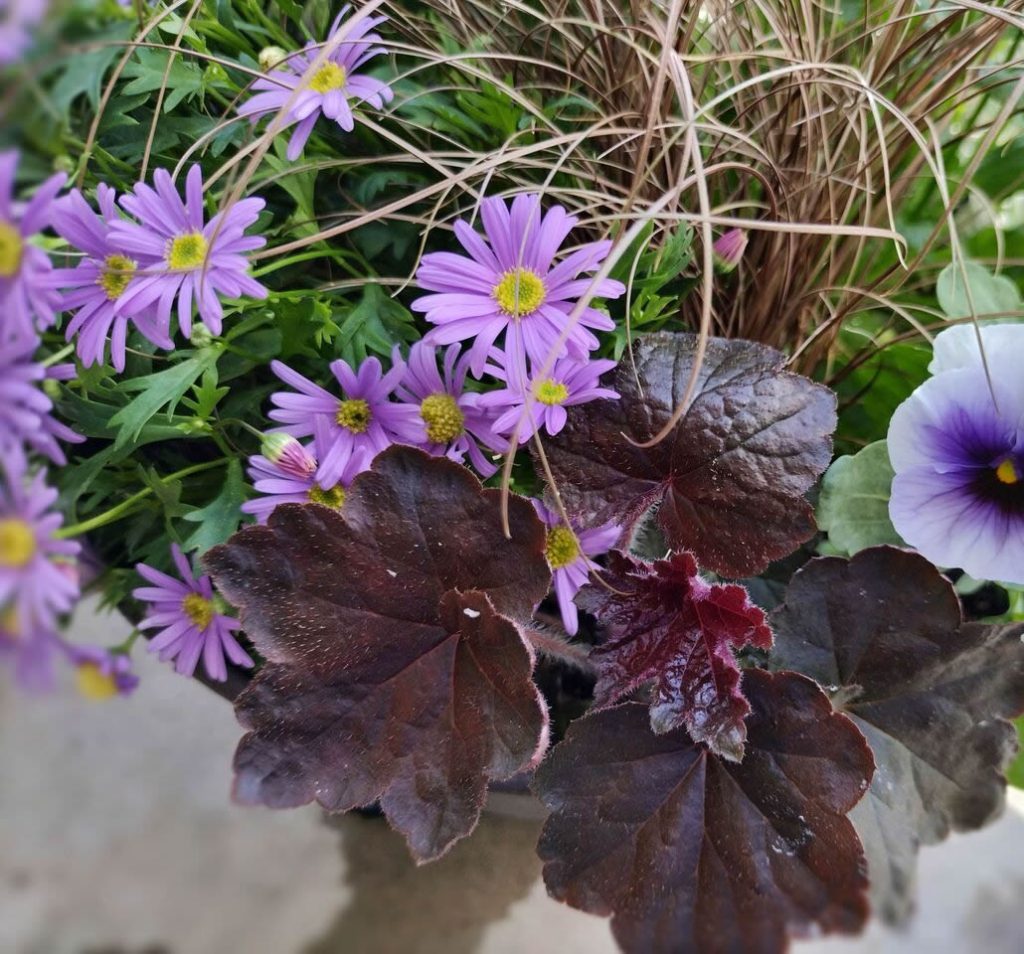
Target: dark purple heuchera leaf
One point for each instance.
(689, 852)
(730, 478)
(884, 632)
(394, 669)
(668, 625)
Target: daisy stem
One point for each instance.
(58, 355)
(126, 507)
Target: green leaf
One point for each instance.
(207, 395)
(221, 516)
(376, 324)
(853, 508)
(1015, 776)
(83, 73)
(163, 389)
(185, 79)
(990, 294)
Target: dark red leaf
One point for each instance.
(730, 477)
(688, 852)
(391, 674)
(667, 625)
(884, 632)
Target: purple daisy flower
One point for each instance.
(18, 22)
(100, 673)
(36, 586)
(331, 89)
(29, 650)
(291, 479)
(28, 300)
(95, 286)
(569, 551)
(25, 410)
(568, 382)
(182, 257)
(362, 422)
(510, 283)
(190, 623)
(452, 423)
(958, 493)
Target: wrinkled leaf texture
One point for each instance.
(932, 693)
(395, 670)
(664, 623)
(689, 852)
(729, 480)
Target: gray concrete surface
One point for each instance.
(117, 837)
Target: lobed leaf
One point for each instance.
(395, 671)
(884, 632)
(667, 625)
(689, 852)
(729, 478)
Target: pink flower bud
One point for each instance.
(728, 250)
(289, 456)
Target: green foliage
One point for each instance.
(221, 516)
(982, 294)
(853, 508)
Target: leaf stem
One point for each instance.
(550, 644)
(125, 507)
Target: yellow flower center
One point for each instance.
(354, 415)
(117, 273)
(329, 76)
(198, 609)
(187, 251)
(9, 622)
(11, 247)
(17, 543)
(550, 392)
(562, 547)
(333, 498)
(1006, 472)
(443, 418)
(94, 684)
(520, 292)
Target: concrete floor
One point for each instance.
(117, 837)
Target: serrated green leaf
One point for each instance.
(853, 508)
(221, 516)
(163, 389)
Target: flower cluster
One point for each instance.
(957, 449)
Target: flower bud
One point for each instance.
(288, 455)
(270, 56)
(201, 336)
(728, 250)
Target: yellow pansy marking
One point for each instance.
(520, 292)
(1006, 472)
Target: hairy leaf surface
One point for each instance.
(667, 625)
(689, 852)
(729, 479)
(395, 671)
(884, 632)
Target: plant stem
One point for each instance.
(126, 507)
(548, 644)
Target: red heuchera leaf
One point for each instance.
(688, 852)
(730, 477)
(668, 625)
(395, 670)
(884, 632)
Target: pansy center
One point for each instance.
(551, 392)
(329, 77)
(95, 684)
(187, 251)
(443, 418)
(562, 547)
(17, 543)
(11, 247)
(333, 498)
(520, 292)
(354, 415)
(1007, 473)
(198, 609)
(117, 273)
